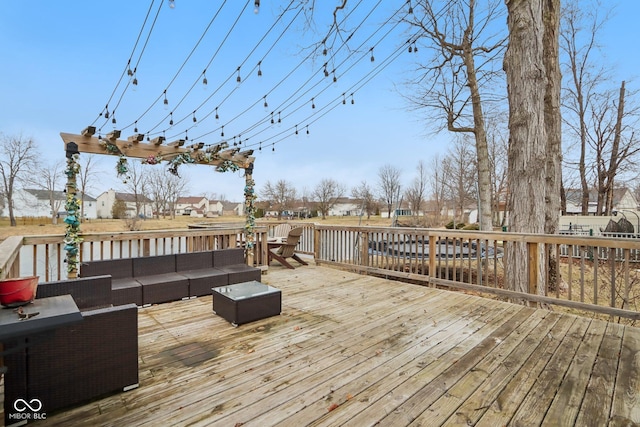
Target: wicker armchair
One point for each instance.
(77, 363)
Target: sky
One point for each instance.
(64, 64)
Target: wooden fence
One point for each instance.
(596, 275)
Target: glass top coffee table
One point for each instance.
(246, 302)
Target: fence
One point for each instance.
(595, 274)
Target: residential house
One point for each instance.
(196, 206)
(623, 198)
(232, 209)
(345, 206)
(106, 200)
(28, 202)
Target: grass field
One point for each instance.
(41, 226)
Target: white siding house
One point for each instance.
(37, 203)
(106, 200)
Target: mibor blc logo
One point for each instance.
(27, 410)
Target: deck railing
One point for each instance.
(596, 274)
(44, 256)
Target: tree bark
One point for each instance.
(527, 86)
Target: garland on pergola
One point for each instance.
(152, 153)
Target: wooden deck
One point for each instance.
(357, 350)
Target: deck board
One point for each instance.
(358, 350)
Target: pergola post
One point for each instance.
(72, 237)
(154, 152)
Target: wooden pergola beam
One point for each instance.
(142, 150)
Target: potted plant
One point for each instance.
(18, 291)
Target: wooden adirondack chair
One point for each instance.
(287, 249)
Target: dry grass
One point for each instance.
(43, 226)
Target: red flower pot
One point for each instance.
(18, 291)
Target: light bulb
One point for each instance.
(256, 10)
(172, 4)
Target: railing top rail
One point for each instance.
(617, 242)
(146, 234)
(9, 250)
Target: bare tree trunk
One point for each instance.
(552, 120)
(482, 148)
(526, 88)
(615, 149)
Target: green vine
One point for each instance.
(250, 212)
(179, 160)
(72, 237)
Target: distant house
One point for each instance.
(623, 198)
(232, 209)
(28, 202)
(106, 200)
(196, 206)
(346, 206)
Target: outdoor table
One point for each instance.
(52, 312)
(246, 302)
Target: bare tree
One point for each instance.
(579, 31)
(164, 188)
(280, 195)
(326, 194)
(613, 142)
(417, 191)
(18, 157)
(389, 182)
(85, 178)
(50, 179)
(498, 145)
(459, 171)
(437, 187)
(464, 64)
(365, 195)
(136, 185)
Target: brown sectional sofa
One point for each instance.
(162, 278)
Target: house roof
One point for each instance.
(57, 195)
(574, 195)
(190, 200)
(131, 198)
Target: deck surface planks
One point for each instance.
(359, 350)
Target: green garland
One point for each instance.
(72, 237)
(250, 211)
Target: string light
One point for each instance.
(256, 9)
(106, 112)
(135, 129)
(410, 8)
(266, 105)
(166, 101)
(259, 69)
(238, 79)
(372, 58)
(352, 101)
(344, 100)
(171, 119)
(204, 79)
(217, 116)
(194, 117)
(172, 4)
(313, 104)
(222, 132)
